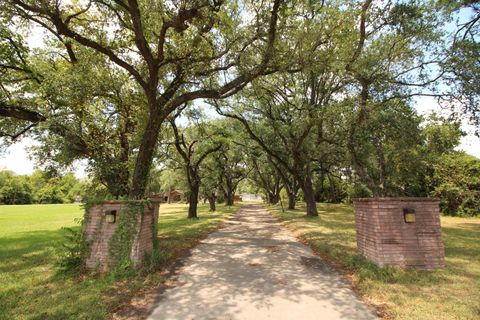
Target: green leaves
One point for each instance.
(306, 75)
(40, 187)
(456, 182)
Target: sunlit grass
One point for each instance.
(32, 288)
(449, 293)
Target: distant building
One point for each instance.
(169, 197)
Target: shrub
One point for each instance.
(457, 183)
(71, 252)
(358, 190)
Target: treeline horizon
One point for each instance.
(42, 187)
(318, 96)
(226, 161)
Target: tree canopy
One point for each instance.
(318, 95)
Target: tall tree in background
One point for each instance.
(194, 144)
(283, 115)
(461, 65)
(265, 175)
(173, 52)
(386, 146)
(40, 187)
(283, 112)
(393, 62)
(210, 186)
(231, 162)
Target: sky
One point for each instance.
(16, 158)
(469, 143)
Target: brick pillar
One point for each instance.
(386, 238)
(98, 232)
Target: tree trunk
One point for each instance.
(321, 192)
(211, 202)
(145, 156)
(275, 193)
(382, 167)
(274, 198)
(291, 186)
(193, 200)
(230, 198)
(292, 200)
(309, 196)
(357, 163)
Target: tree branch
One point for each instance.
(20, 113)
(63, 29)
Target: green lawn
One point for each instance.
(450, 293)
(32, 288)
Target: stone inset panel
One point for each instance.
(386, 234)
(99, 230)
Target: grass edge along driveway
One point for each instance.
(32, 288)
(449, 293)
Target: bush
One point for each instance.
(50, 193)
(15, 190)
(332, 190)
(39, 187)
(358, 190)
(71, 252)
(457, 183)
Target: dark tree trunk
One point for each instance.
(230, 198)
(145, 155)
(291, 186)
(193, 200)
(292, 200)
(309, 196)
(229, 192)
(225, 196)
(272, 192)
(211, 202)
(276, 199)
(273, 198)
(268, 197)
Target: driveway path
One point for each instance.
(253, 268)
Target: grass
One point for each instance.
(31, 286)
(449, 293)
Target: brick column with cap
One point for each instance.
(402, 232)
(98, 231)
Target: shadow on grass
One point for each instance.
(333, 236)
(409, 293)
(32, 288)
(28, 249)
